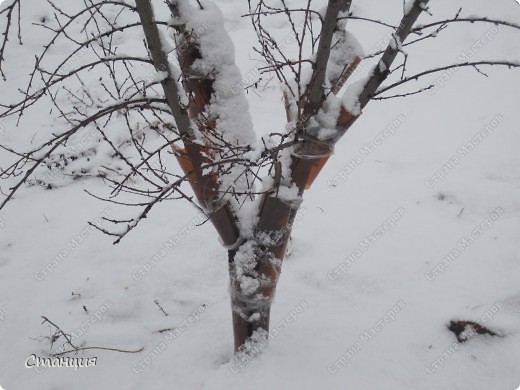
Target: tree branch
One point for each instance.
(61, 139)
(9, 15)
(467, 20)
(443, 68)
(160, 61)
(380, 71)
(316, 91)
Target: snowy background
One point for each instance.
(351, 311)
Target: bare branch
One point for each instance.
(61, 139)
(496, 22)
(160, 60)
(9, 15)
(416, 76)
(380, 71)
(406, 94)
(58, 333)
(99, 348)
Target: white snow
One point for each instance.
(289, 194)
(408, 6)
(345, 48)
(351, 95)
(218, 60)
(357, 304)
(228, 104)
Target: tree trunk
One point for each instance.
(252, 288)
(248, 314)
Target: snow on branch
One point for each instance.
(413, 8)
(221, 177)
(228, 105)
(360, 93)
(121, 115)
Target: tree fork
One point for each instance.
(251, 306)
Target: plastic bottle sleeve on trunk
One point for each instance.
(311, 155)
(204, 188)
(200, 95)
(250, 312)
(275, 223)
(308, 159)
(198, 87)
(275, 214)
(224, 222)
(344, 122)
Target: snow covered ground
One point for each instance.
(352, 311)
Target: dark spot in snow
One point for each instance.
(464, 330)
